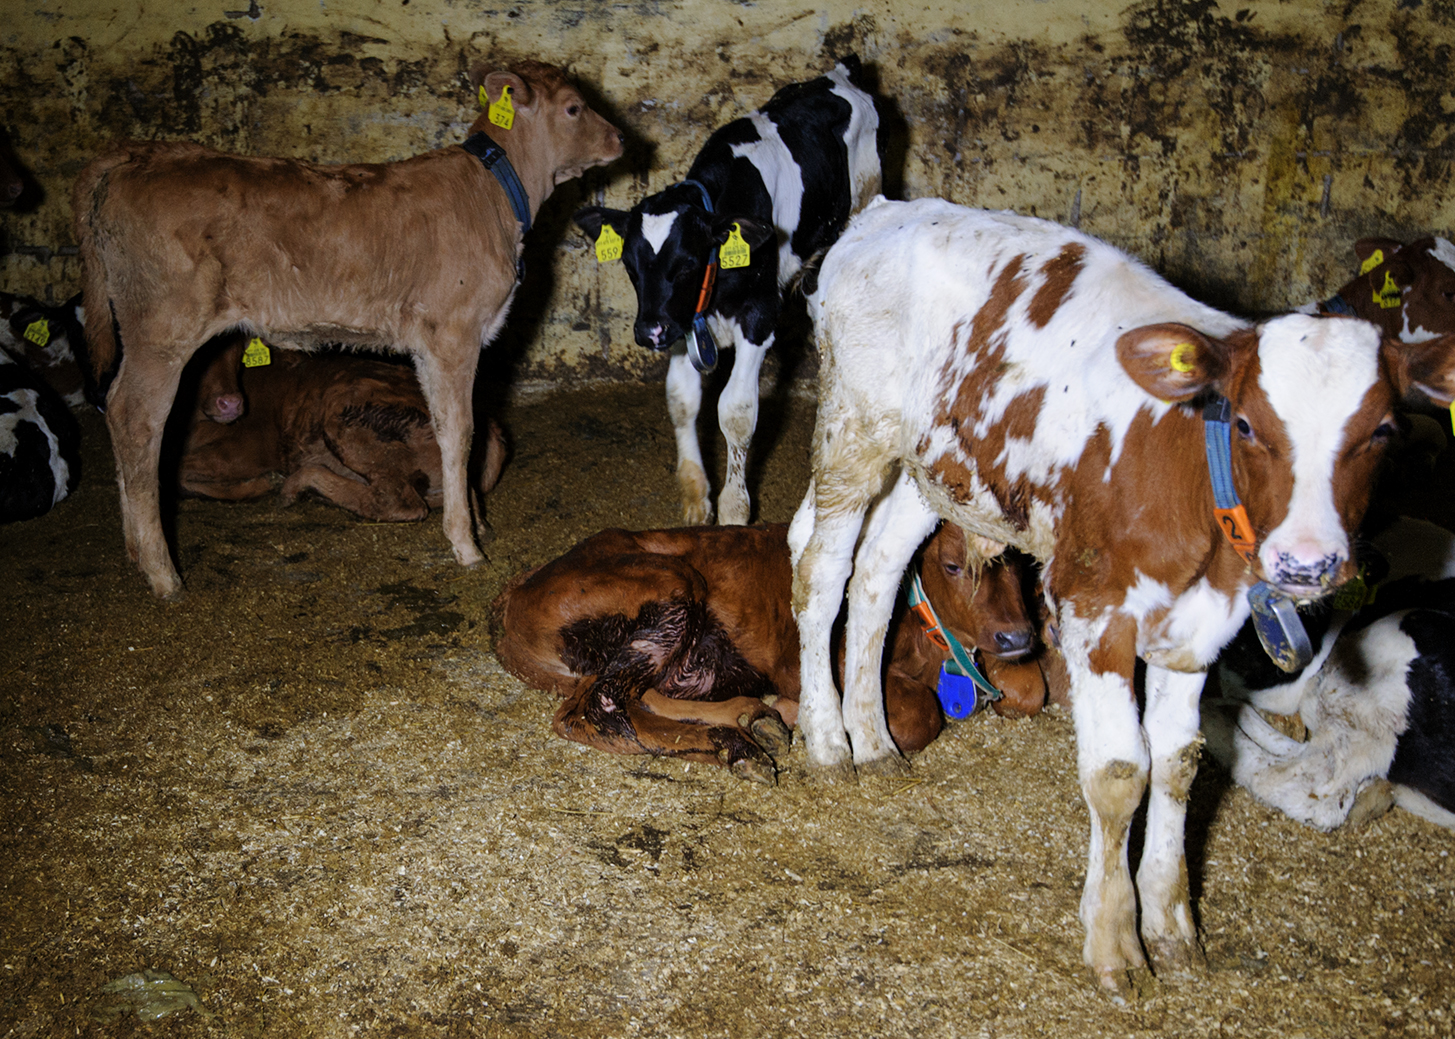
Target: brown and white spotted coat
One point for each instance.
(1038, 387)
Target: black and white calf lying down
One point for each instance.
(787, 177)
(40, 444)
(1378, 700)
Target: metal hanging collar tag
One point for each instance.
(1279, 628)
(1275, 617)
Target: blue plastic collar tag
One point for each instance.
(959, 695)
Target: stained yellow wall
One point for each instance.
(1240, 148)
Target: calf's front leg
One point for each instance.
(737, 416)
(1170, 723)
(1112, 761)
(448, 385)
(684, 401)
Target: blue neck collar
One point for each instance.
(494, 159)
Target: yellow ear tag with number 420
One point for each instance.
(734, 252)
(257, 354)
(608, 244)
(1388, 296)
(38, 332)
(502, 112)
(1375, 259)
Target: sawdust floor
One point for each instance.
(309, 792)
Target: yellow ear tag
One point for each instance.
(734, 252)
(1375, 259)
(1388, 296)
(608, 244)
(1183, 356)
(1452, 416)
(502, 112)
(38, 332)
(257, 354)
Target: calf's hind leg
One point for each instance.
(136, 414)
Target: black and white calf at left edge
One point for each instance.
(795, 170)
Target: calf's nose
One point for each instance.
(1306, 572)
(1013, 643)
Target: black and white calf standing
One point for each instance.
(40, 444)
(1378, 700)
(794, 171)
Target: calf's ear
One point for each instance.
(1366, 247)
(1172, 362)
(1426, 368)
(754, 232)
(591, 218)
(521, 95)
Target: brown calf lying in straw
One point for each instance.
(682, 642)
(354, 430)
(182, 243)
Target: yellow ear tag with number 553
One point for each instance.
(502, 112)
(257, 354)
(734, 252)
(608, 244)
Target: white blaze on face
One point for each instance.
(1315, 373)
(656, 227)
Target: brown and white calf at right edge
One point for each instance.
(182, 243)
(1042, 389)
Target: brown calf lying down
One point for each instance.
(354, 430)
(181, 243)
(683, 643)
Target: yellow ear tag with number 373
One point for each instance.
(1389, 295)
(257, 354)
(734, 252)
(608, 244)
(502, 112)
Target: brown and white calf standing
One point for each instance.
(668, 642)
(1042, 389)
(182, 243)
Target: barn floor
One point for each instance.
(310, 793)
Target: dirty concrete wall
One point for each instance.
(1238, 147)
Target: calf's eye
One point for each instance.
(573, 110)
(953, 569)
(1244, 430)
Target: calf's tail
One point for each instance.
(88, 195)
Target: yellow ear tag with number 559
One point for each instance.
(608, 244)
(502, 112)
(257, 354)
(734, 252)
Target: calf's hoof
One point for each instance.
(1376, 798)
(770, 733)
(1175, 959)
(1122, 985)
(468, 555)
(167, 587)
(696, 513)
(754, 770)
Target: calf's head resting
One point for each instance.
(1311, 404)
(668, 240)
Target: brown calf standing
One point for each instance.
(356, 431)
(182, 243)
(669, 641)
(1408, 290)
